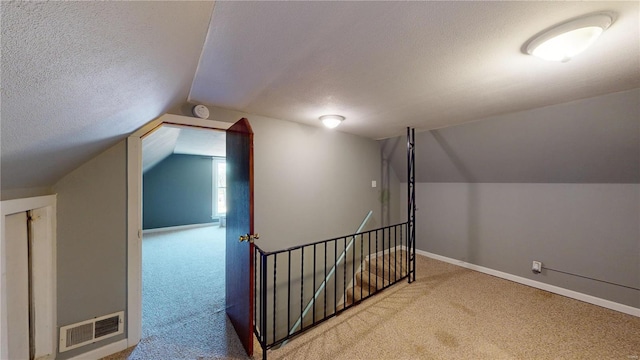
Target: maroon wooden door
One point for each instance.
(239, 256)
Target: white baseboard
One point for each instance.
(101, 352)
(539, 285)
(179, 227)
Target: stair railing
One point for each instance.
(404, 239)
(312, 302)
(352, 268)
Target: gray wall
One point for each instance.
(311, 183)
(178, 191)
(22, 193)
(595, 140)
(586, 229)
(396, 198)
(391, 197)
(558, 184)
(91, 242)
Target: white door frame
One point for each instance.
(134, 214)
(44, 272)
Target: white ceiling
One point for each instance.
(79, 76)
(168, 140)
(389, 65)
(201, 142)
(157, 146)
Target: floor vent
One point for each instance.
(89, 331)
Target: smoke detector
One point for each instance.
(200, 111)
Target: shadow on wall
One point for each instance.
(472, 196)
(387, 150)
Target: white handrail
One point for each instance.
(328, 277)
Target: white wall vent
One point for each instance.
(90, 331)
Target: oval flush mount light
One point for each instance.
(568, 39)
(331, 121)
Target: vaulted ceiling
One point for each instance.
(79, 76)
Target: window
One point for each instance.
(219, 187)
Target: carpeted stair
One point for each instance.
(376, 274)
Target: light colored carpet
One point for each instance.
(455, 313)
(182, 275)
(183, 298)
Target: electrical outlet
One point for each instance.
(536, 267)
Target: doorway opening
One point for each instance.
(183, 244)
(239, 158)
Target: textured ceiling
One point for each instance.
(389, 65)
(78, 76)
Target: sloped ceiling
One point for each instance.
(201, 142)
(595, 140)
(389, 65)
(158, 146)
(79, 76)
(169, 140)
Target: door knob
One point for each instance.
(249, 238)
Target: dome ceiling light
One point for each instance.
(568, 39)
(331, 121)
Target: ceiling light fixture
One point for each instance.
(568, 39)
(331, 121)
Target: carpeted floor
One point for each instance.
(183, 298)
(455, 313)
